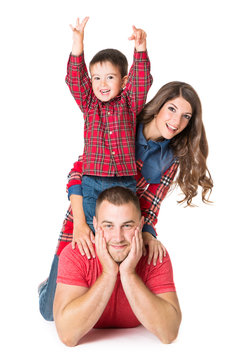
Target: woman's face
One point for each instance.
(172, 118)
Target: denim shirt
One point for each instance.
(156, 156)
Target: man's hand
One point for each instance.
(109, 266)
(78, 36)
(128, 266)
(139, 36)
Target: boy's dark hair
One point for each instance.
(118, 195)
(115, 57)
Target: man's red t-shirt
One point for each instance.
(75, 269)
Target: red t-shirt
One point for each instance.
(75, 269)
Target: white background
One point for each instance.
(41, 137)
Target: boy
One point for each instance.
(110, 101)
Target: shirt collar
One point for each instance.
(142, 140)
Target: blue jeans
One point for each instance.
(92, 186)
(47, 292)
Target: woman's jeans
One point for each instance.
(92, 186)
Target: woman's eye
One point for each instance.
(188, 117)
(110, 77)
(171, 108)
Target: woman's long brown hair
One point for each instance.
(190, 146)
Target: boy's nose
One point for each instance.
(103, 82)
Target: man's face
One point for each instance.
(118, 224)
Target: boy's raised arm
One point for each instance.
(78, 36)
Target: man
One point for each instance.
(117, 288)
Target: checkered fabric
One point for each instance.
(110, 127)
(150, 197)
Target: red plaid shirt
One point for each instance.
(109, 127)
(150, 197)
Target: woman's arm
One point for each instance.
(152, 195)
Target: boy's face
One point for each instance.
(106, 80)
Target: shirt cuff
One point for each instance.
(149, 229)
(140, 55)
(76, 60)
(74, 190)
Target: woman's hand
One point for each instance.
(84, 238)
(155, 248)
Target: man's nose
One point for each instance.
(118, 235)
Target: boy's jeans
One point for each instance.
(92, 186)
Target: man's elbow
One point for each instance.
(168, 338)
(69, 341)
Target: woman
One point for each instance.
(170, 137)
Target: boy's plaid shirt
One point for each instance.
(150, 197)
(109, 127)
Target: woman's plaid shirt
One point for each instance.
(150, 197)
(109, 127)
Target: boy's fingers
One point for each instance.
(85, 248)
(73, 244)
(164, 250)
(155, 256)
(91, 248)
(160, 250)
(92, 237)
(81, 249)
(134, 28)
(150, 255)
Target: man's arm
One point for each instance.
(160, 313)
(76, 308)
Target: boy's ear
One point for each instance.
(124, 81)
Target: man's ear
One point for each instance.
(124, 81)
(95, 223)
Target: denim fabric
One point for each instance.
(47, 292)
(92, 186)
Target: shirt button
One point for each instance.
(110, 132)
(109, 113)
(113, 152)
(145, 146)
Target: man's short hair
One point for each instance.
(118, 196)
(115, 57)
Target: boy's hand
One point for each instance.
(78, 36)
(155, 248)
(83, 236)
(139, 36)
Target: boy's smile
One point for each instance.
(106, 80)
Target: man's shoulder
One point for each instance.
(144, 268)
